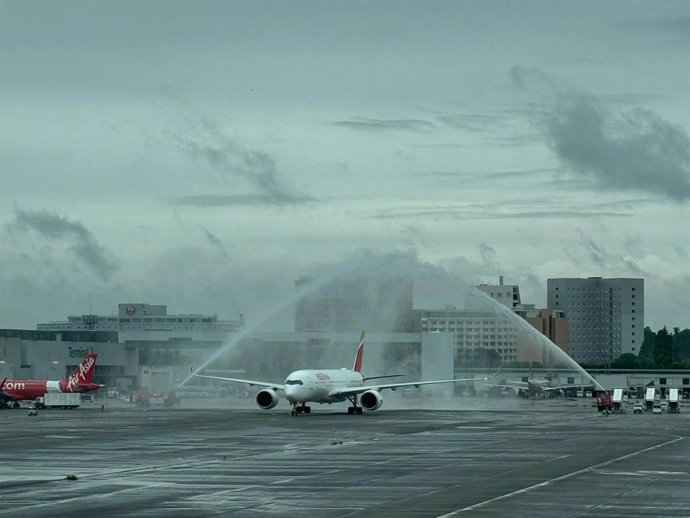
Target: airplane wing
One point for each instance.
(358, 390)
(511, 384)
(563, 387)
(275, 386)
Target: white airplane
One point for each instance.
(332, 386)
(534, 387)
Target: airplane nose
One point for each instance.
(290, 393)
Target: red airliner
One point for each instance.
(79, 381)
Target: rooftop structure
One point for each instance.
(140, 321)
(506, 294)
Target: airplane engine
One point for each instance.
(371, 400)
(267, 398)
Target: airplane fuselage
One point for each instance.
(78, 381)
(317, 385)
(537, 386)
(20, 390)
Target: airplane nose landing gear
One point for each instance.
(300, 409)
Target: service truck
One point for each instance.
(604, 402)
(617, 403)
(649, 397)
(146, 398)
(58, 400)
(673, 401)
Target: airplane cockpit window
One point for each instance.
(294, 382)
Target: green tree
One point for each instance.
(664, 354)
(626, 361)
(646, 356)
(681, 342)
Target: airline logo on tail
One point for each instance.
(83, 373)
(357, 366)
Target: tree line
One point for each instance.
(660, 350)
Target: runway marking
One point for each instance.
(559, 458)
(557, 479)
(642, 473)
(127, 488)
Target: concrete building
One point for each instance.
(474, 332)
(606, 316)
(151, 322)
(552, 324)
(145, 335)
(506, 294)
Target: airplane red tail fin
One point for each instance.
(84, 372)
(357, 366)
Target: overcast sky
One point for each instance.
(205, 155)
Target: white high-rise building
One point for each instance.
(606, 316)
(505, 294)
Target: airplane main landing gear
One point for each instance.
(354, 409)
(300, 409)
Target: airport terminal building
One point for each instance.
(139, 337)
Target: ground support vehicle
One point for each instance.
(604, 402)
(145, 398)
(66, 400)
(673, 401)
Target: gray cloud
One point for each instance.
(215, 241)
(83, 245)
(472, 121)
(596, 252)
(207, 141)
(672, 30)
(221, 200)
(508, 210)
(367, 124)
(488, 253)
(475, 272)
(477, 176)
(603, 257)
(521, 77)
(635, 151)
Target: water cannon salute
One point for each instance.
(495, 194)
(333, 386)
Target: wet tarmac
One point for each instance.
(508, 459)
